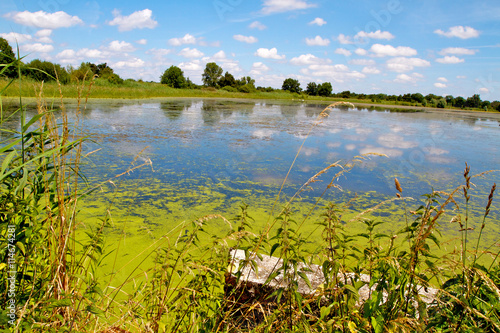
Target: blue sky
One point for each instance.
(391, 46)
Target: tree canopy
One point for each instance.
(211, 75)
(7, 56)
(174, 77)
(291, 85)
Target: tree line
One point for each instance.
(213, 77)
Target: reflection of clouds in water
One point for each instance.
(355, 138)
(335, 130)
(395, 141)
(381, 150)
(440, 159)
(435, 151)
(363, 131)
(263, 133)
(350, 147)
(397, 128)
(477, 128)
(306, 168)
(332, 156)
(310, 151)
(334, 144)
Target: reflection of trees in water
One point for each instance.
(209, 112)
(314, 111)
(289, 111)
(213, 110)
(173, 110)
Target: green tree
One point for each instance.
(495, 105)
(211, 75)
(227, 80)
(325, 89)
(7, 56)
(346, 94)
(473, 102)
(312, 89)
(441, 103)
(291, 85)
(459, 102)
(418, 97)
(46, 71)
(174, 77)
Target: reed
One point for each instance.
(373, 282)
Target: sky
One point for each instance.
(392, 46)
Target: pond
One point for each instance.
(210, 156)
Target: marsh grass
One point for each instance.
(61, 285)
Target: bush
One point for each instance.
(229, 89)
(115, 79)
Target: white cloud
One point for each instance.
(404, 78)
(14, 37)
(457, 50)
(380, 50)
(317, 41)
(193, 66)
(450, 60)
(116, 46)
(133, 63)
(442, 79)
(362, 62)
(342, 51)
(440, 85)
(484, 90)
(361, 52)
(459, 31)
(337, 73)
(269, 54)
(402, 64)
(44, 20)
(343, 39)
(142, 41)
(318, 21)
(37, 48)
(187, 39)
(375, 35)
(257, 25)
(245, 39)
(191, 53)
(70, 56)
(370, 70)
(258, 68)
(280, 6)
(461, 77)
(43, 36)
(137, 20)
(308, 59)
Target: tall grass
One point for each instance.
(371, 282)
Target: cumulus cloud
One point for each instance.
(457, 50)
(137, 20)
(342, 51)
(318, 21)
(187, 39)
(116, 46)
(280, 6)
(442, 79)
(258, 68)
(380, 50)
(450, 60)
(484, 90)
(43, 36)
(375, 35)
(38, 48)
(402, 64)
(257, 25)
(14, 37)
(343, 39)
(308, 59)
(142, 41)
(459, 32)
(362, 62)
(440, 85)
(191, 53)
(133, 63)
(361, 52)
(44, 20)
(69, 56)
(245, 39)
(404, 78)
(193, 66)
(337, 73)
(370, 70)
(317, 41)
(269, 54)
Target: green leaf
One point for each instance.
(378, 324)
(7, 160)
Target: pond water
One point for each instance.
(209, 156)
